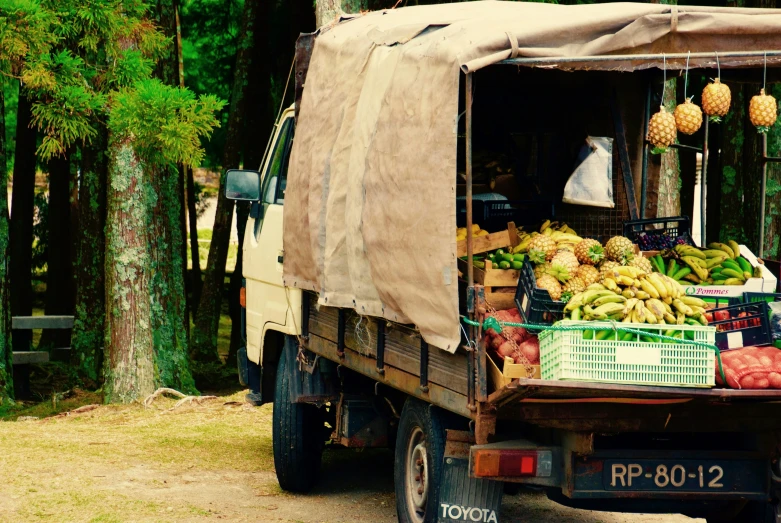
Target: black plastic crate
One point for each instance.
(673, 227)
(535, 304)
(493, 215)
(741, 325)
(497, 213)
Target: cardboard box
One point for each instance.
(512, 371)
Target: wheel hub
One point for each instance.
(417, 480)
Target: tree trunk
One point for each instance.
(167, 245)
(192, 213)
(167, 280)
(204, 333)
(59, 276)
(129, 368)
(773, 197)
(90, 311)
(6, 355)
(22, 209)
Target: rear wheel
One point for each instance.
(420, 447)
(297, 432)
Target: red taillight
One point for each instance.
(504, 463)
(243, 297)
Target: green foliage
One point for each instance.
(165, 122)
(210, 32)
(40, 231)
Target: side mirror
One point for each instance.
(242, 185)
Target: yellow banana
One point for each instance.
(630, 305)
(611, 284)
(650, 317)
(735, 248)
(640, 312)
(692, 301)
(615, 298)
(649, 288)
(680, 318)
(628, 293)
(590, 296)
(658, 283)
(656, 307)
(682, 307)
(642, 295)
(669, 318)
(625, 280)
(627, 270)
(545, 226)
(596, 287)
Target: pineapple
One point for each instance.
(574, 285)
(550, 284)
(559, 271)
(589, 251)
(661, 130)
(641, 262)
(619, 249)
(588, 273)
(568, 260)
(606, 268)
(716, 98)
(542, 248)
(762, 111)
(688, 117)
(541, 269)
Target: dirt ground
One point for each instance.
(200, 463)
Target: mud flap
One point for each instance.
(462, 498)
(311, 377)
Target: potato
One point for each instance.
(774, 379)
(747, 382)
(766, 361)
(531, 350)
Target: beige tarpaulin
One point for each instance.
(370, 201)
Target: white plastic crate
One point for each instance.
(567, 355)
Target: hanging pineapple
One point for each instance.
(661, 130)
(716, 98)
(763, 111)
(688, 117)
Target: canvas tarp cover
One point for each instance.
(370, 216)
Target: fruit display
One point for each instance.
(751, 368)
(476, 231)
(661, 241)
(551, 238)
(500, 259)
(662, 130)
(716, 98)
(719, 264)
(762, 111)
(688, 117)
(631, 295)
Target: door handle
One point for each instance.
(279, 259)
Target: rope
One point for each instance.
(686, 78)
(496, 325)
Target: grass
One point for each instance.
(204, 242)
(116, 462)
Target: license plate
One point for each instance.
(678, 475)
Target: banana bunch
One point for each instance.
(565, 237)
(720, 264)
(631, 295)
(476, 231)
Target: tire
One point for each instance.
(296, 433)
(752, 512)
(420, 448)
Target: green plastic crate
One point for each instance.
(568, 355)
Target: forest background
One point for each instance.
(118, 119)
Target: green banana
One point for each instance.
(715, 270)
(745, 266)
(681, 273)
(576, 314)
(672, 267)
(731, 264)
(735, 247)
(658, 263)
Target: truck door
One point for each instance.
(267, 301)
